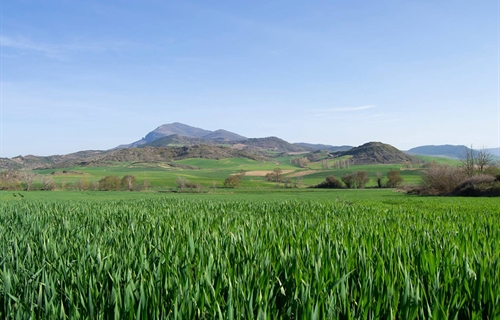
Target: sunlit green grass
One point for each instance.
(209, 172)
(336, 254)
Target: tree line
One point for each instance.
(27, 181)
(359, 179)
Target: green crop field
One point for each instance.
(336, 254)
(209, 172)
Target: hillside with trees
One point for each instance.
(378, 152)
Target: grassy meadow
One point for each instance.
(254, 252)
(210, 172)
(285, 254)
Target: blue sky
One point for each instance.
(94, 74)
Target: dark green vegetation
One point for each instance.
(352, 254)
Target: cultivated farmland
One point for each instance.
(188, 258)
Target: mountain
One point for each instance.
(55, 161)
(184, 130)
(494, 151)
(273, 144)
(323, 147)
(223, 135)
(176, 128)
(167, 154)
(254, 145)
(447, 150)
(176, 140)
(377, 152)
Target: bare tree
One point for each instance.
(324, 164)
(277, 172)
(441, 179)
(47, 182)
(468, 162)
(128, 182)
(484, 159)
(82, 184)
(475, 162)
(28, 178)
(181, 182)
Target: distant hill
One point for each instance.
(271, 144)
(55, 161)
(166, 154)
(494, 151)
(9, 164)
(176, 140)
(223, 135)
(144, 154)
(184, 130)
(176, 128)
(323, 147)
(378, 152)
(447, 150)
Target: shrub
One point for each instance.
(183, 184)
(128, 182)
(394, 178)
(441, 179)
(232, 181)
(361, 179)
(330, 182)
(348, 180)
(477, 186)
(109, 183)
(9, 181)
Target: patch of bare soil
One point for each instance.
(262, 173)
(303, 173)
(238, 146)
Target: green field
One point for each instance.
(248, 254)
(208, 172)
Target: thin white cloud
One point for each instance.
(61, 51)
(370, 106)
(26, 44)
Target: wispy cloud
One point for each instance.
(25, 44)
(62, 51)
(347, 109)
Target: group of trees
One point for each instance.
(301, 162)
(184, 185)
(359, 179)
(25, 180)
(126, 183)
(476, 175)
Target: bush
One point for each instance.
(110, 183)
(394, 178)
(330, 182)
(441, 180)
(183, 184)
(300, 162)
(361, 179)
(128, 182)
(9, 181)
(348, 180)
(481, 185)
(232, 181)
